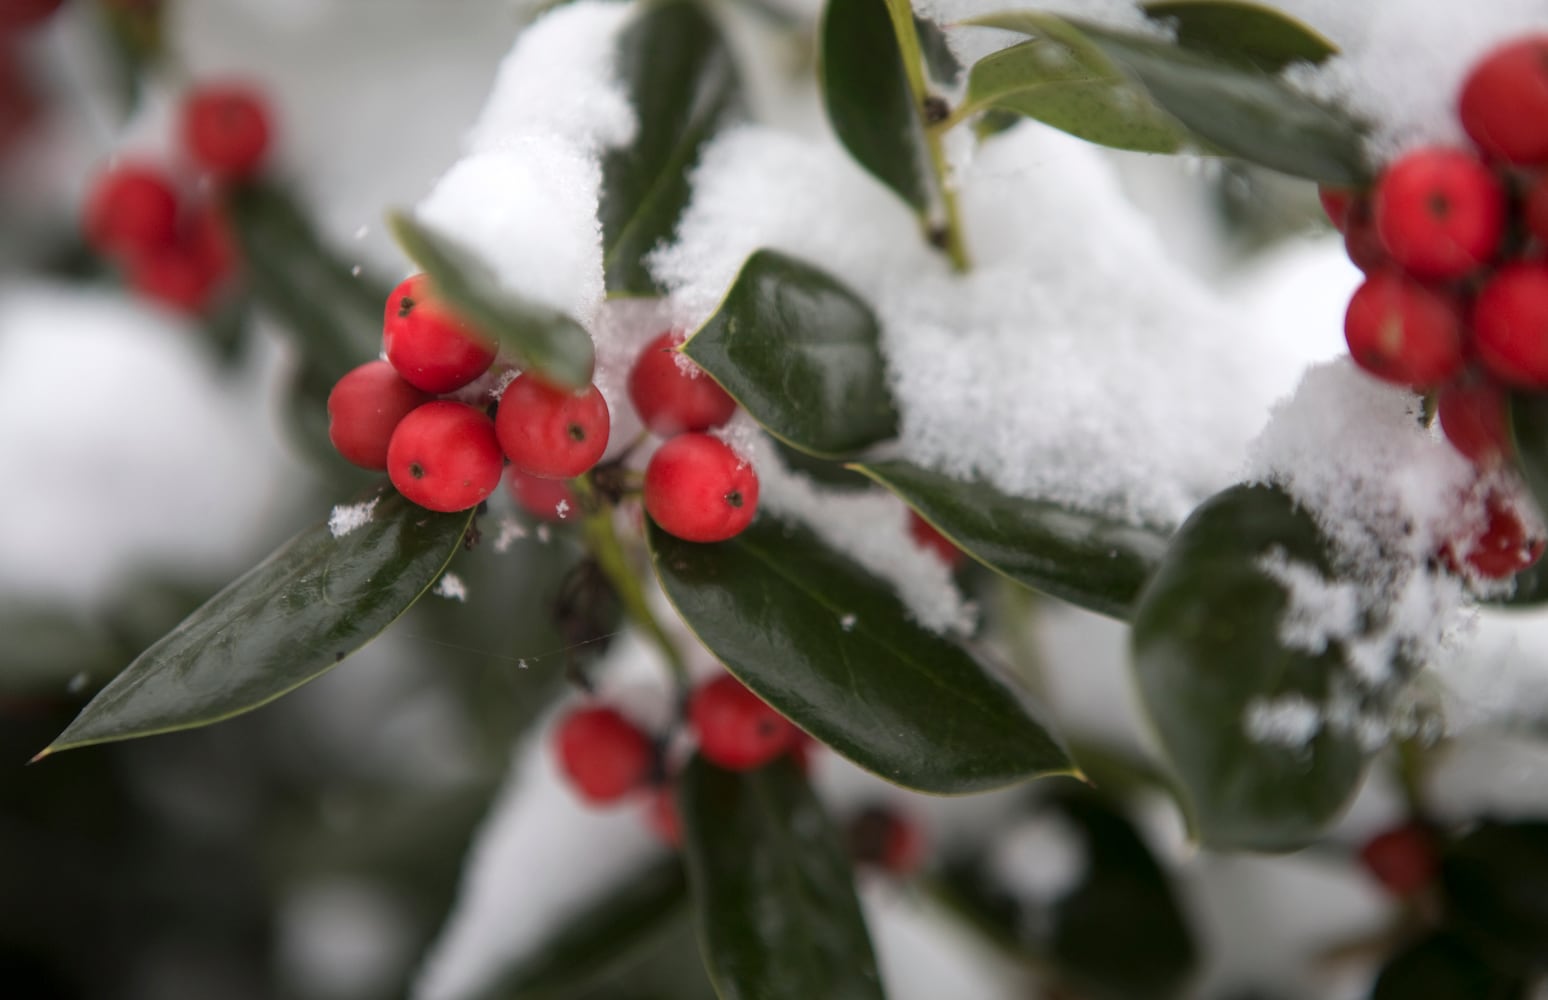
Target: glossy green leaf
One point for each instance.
(286, 621)
(802, 354)
(541, 338)
(1207, 656)
(1095, 563)
(683, 84)
(333, 317)
(1246, 34)
(772, 888)
(1446, 966)
(870, 100)
(603, 936)
(1496, 881)
(1063, 79)
(831, 647)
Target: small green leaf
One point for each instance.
(1496, 881)
(1095, 563)
(802, 354)
(594, 942)
(1064, 80)
(1244, 34)
(542, 338)
(334, 317)
(1207, 655)
(772, 887)
(683, 84)
(1529, 429)
(286, 621)
(1446, 966)
(831, 647)
(870, 101)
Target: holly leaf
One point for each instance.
(871, 100)
(1087, 560)
(540, 337)
(599, 939)
(772, 888)
(1496, 881)
(831, 647)
(1209, 658)
(287, 621)
(1444, 965)
(1063, 79)
(682, 81)
(801, 353)
(1529, 431)
(1243, 34)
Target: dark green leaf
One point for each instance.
(53, 652)
(683, 85)
(1086, 560)
(1207, 654)
(1061, 78)
(870, 101)
(801, 353)
(1124, 905)
(541, 338)
(1496, 881)
(334, 317)
(1529, 428)
(772, 887)
(831, 646)
(1245, 34)
(1445, 966)
(283, 623)
(605, 934)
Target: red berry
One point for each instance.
(699, 490)
(1361, 241)
(736, 729)
(662, 817)
(365, 407)
(1535, 209)
(1502, 549)
(546, 499)
(1336, 202)
(1440, 213)
(889, 841)
(1403, 332)
(444, 456)
(926, 537)
(225, 128)
(1472, 415)
(427, 343)
(1403, 859)
(671, 399)
(551, 432)
(131, 210)
(604, 755)
(1510, 325)
(16, 15)
(1504, 101)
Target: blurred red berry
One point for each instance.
(1510, 325)
(926, 537)
(1504, 101)
(1440, 213)
(736, 729)
(545, 499)
(1404, 859)
(671, 395)
(225, 129)
(131, 210)
(1472, 416)
(604, 755)
(365, 407)
(1403, 332)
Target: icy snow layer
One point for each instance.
(1041, 369)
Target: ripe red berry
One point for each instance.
(699, 490)
(1510, 325)
(1361, 241)
(662, 817)
(177, 276)
(16, 15)
(131, 210)
(736, 729)
(1336, 203)
(1504, 101)
(1403, 332)
(1403, 859)
(887, 840)
(546, 499)
(1535, 209)
(1472, 415)
(365, 407)
(1440, 213)
(444, 456)
(551, 432)
(926, 537)
(1502, 549)
(225, 128)
(671, 395)
(429, 345)
(604, 755)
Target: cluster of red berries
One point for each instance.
(448, 455)
(173, 248)
(1455, 298)
(607, 758)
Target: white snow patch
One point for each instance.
(510, 531)
(452, 587)
(1042, 858)
(1288, 721)
(347, 517)
(1321, 611)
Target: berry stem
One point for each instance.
(602, 540)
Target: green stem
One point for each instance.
(602, 540)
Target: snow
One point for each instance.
(347, 517)
(451, 587)
(1288, 721)
(1041, 858)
